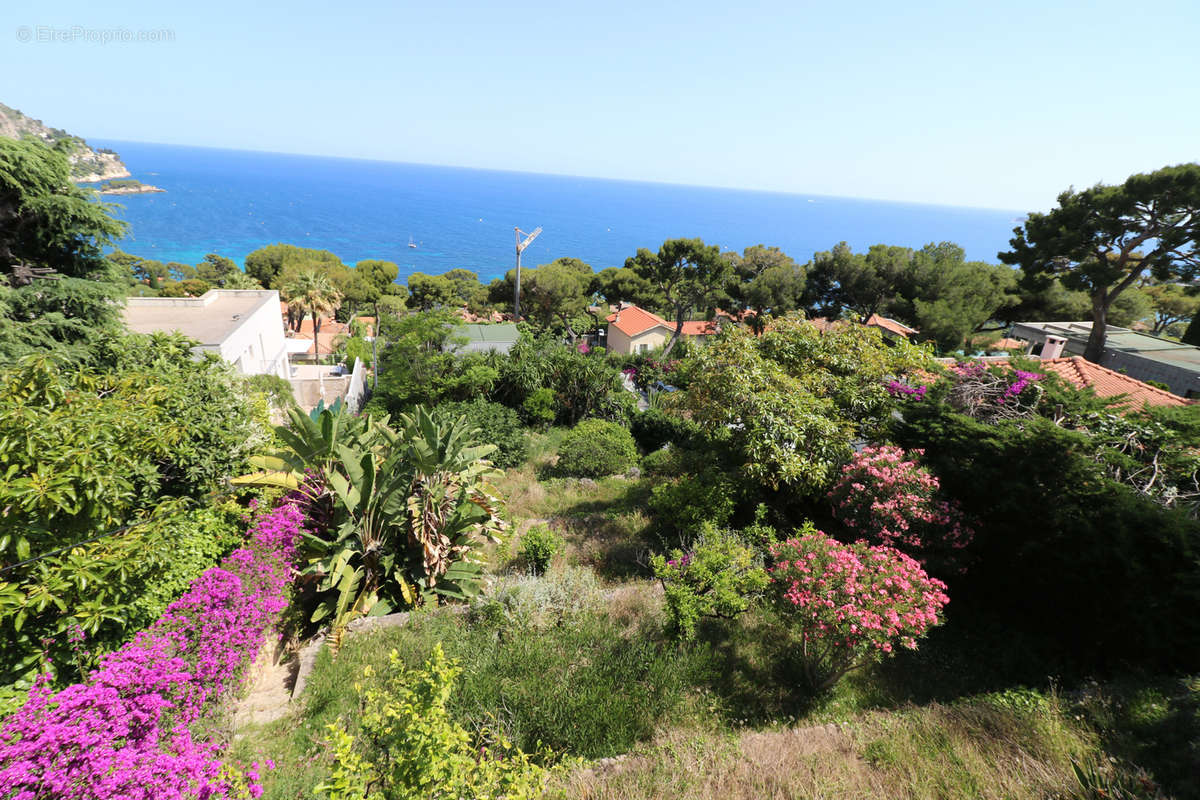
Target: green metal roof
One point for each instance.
(1154, 348)
(503, 332)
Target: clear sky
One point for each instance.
(994, 104)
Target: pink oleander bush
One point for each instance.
(850, 604)
(127, 731)
(885, 497)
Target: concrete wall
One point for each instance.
(313, 383)
(257, 346)
(617, 342)
(357, 390)
(650, 340)
(1182, 380)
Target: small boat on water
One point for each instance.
(411, 243)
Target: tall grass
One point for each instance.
(981, 748)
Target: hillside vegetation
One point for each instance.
(88, 164)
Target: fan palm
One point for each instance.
(310, 291)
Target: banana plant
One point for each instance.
(451, 506)
(413, 509)
(310, 444)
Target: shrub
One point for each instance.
(539, 545)
(539, 408)
(993, 393)
(686, 503)
(595, 448)
(1091, 574)
(654, 428)
(498, 425)
(889, 499)
(718, 576)
(539, 602)
(190, 543)
(792, 401)
(125, 732)
(416, 750)
(277, 390)
(407, 509)
(584, 385)
(115, 587)
(851, 604)
(663, 462)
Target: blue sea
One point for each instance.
(231, 202)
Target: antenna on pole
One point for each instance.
(521, 245)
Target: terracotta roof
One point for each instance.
(699, 327)
(891, 325)
(1007, 344)
(875, 321)
(825, 325)
(1083, 374)
(632, 320)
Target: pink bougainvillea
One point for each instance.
(126, 732)
(851, 604)
(886, 497)
(906, 392)
(991, 393)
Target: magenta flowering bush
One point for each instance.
(991, 393)
(127, 731)
(887, 498)
(904, 391)
(851, 604)
(1013, 391)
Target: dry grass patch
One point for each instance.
(975, 749)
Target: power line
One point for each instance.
(72, 546)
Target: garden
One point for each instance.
(798, 561)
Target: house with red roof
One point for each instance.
(1083, 374)
(632, 329)
(332, 332)
(892, 329)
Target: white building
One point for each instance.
(243, 326)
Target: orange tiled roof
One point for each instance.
(823, 324)
(891, 325)
(632, 320)
(1083, 374)
(699, 327)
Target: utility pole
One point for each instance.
(521, 245)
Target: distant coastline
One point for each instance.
(130, 186)
(88, 164)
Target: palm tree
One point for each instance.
(310, 291)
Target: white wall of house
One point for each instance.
(258, 345)
(243, 326)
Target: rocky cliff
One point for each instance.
(87, 164)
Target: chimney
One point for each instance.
(1053, 346)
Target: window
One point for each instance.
(643, 348)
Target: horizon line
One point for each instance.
(573, 175)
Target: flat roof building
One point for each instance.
(1138, 355)
(242, 326)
